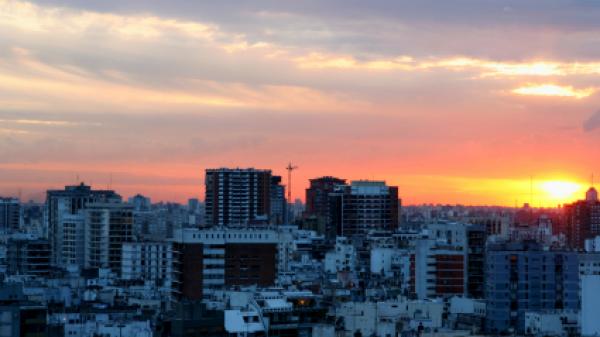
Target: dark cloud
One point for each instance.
(499, 29)
(593, 122)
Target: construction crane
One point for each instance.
(290, 168)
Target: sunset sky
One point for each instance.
(474, 102)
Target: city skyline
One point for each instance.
(538, 194)
(453, 103)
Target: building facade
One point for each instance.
(237, 196)
(10, 214)
(363, 206)
(65, 218)
(522, 277)
(107, 227)
(582, 220)
(206, 260)
(148, 261)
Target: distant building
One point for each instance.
(107, 227)
(363, 206)
(237, 196)
(65, 216)
(28, 256)
(582, 220)
(140, 202)
(10, 214)
(278, 203)
(522, 277)
(148, 261)
(317, 203)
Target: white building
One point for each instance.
(465, 305)
(343, 258)
(592, 245)
(551, 323)
(590, 304)
(150, 261)
(381, 318)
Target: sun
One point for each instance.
(561, 190)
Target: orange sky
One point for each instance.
(463, 108)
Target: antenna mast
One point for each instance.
(290, 168)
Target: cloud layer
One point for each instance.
(155, 92)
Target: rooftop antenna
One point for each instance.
(290, 168)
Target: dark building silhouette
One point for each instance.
(582, 220)
(317, 213)
(10, 209)
(362, 206)
(28, 257)
(476, 238)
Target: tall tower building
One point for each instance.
(317, 204)
(363, 206)
(582, 219)
(107, 227)
(237, 196)
(278, 202)
(66, 216)
(317, 195)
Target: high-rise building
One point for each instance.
(318, 204)
(107, 227)
(10, 214)
(523, 277)
(205, 260)
(278, 203)
(582, 220)
(363, 206)
(65, 217)
(317, 195)
(475, 255)
(237, 196)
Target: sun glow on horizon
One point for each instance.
(561, 191)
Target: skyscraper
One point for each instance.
(278, 214)
(107, 227)
(237, 196)
(582, 219)
(66, 221)
(363, 206)
(317, 202)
